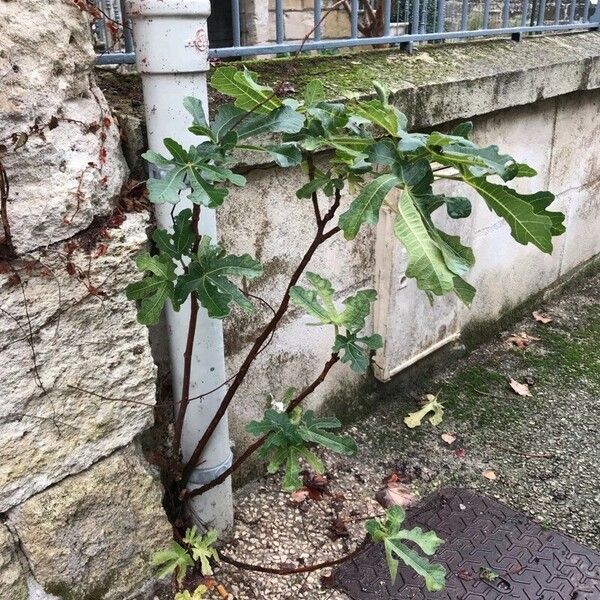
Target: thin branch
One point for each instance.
(189, 347)
(311, 176)
(4, 191)
(258, 443)
(260, 340)
(294, 570)
(109, 399)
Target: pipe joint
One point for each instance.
(202, 476)
(171, 35)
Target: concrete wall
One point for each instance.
(554, 133)
(80, 509)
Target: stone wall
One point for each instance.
(80, 508)
(258, 21)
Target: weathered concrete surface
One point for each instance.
(58, 141)
(93, 535)
(13, 583)
(72, 311)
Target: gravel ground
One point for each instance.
(544, 451)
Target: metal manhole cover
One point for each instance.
(531, 563)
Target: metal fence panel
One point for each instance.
(414, 21)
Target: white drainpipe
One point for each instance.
(171, 42)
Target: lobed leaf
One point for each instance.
(242, 85)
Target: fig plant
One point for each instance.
(364, 146)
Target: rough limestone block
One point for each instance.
(59, 143)
(13, 583)
(93, 535)
(73, 310)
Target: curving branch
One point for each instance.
(320, 237)
(250, 450)
(295, 570)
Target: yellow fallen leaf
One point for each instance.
(541, 317)
(519, 388)
(448, 438)
(414, 419)
(490, 474)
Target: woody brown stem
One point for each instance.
(250, 450)
(294, 570)
(320, 237)
(189, 348)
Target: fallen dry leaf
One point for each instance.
(338, 529)
(448, 438)
(541, 317)
(299, 495)
(522, 339)
(460, 453)
(519, 388)
(490, 474)
(395, 493)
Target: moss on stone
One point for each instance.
(66, 591)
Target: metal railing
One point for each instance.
(396, 22)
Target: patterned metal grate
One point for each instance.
(481, 533)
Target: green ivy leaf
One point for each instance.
(312, 429)
(366, 206)
(314, 93)
(319, 303)
(199, 124)
(459, 152)
(385, 116)
(208, 275)
(153, 291)
(425, 259)
(201, 547)
(463, 130)
(180, 242)
(357, 350)
(288, 440)
(175, 559)
(242, 85)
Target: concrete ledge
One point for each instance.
(436, 84)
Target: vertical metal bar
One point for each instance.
(387, 16)
(441, 15)
(423, 22)
(354, 19)
(541, 12)
(464, 16)
(414, 28)
(317, 23)
(524, 11)
(586, 11)
(556, 12)
(406, 13)
(505, 13)
(279, 21)
(235, 22)
(572, 10)
(127, 34)
(486, 14)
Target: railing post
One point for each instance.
(171, 40)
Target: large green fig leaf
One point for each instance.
(389, 532)
(208, 276)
